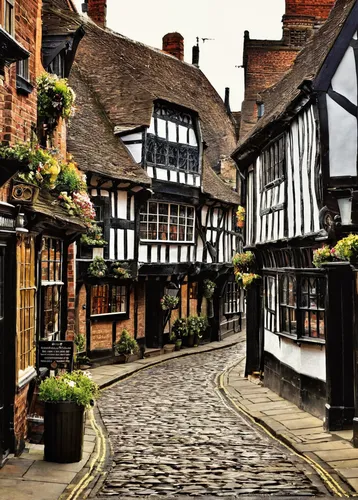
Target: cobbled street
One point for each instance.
(172, 434)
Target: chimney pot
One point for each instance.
(97, 11)
(173, 44)
(227, 99)
(195, 57)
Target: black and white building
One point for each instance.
(300, 169)
(152, 135)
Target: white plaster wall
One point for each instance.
(307, 359)
(342, 140)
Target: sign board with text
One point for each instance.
(56, 354)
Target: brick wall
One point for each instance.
(266, 61)
(101, 334)
(20, 421)
(319, 9)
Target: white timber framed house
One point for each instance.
(300, 168)
(155, 177)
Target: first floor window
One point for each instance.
(232, 298)
(108, 299)
(26, 302)
(167, 222)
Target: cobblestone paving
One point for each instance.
(172, 434)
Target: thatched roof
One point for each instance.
(117, 81)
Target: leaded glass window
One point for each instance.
(108, 299)
(172, 140)
(167, 222)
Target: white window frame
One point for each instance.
(147, 214)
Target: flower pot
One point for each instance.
(64, 430)
(191, 339)
(169, 348)
(126, 358)
(178, 345)
(240, 223)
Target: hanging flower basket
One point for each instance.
(168, 302)
(245, 280)
(97, 268)
(120, 271)
(209, 289)
(244, 261)
(240, 216)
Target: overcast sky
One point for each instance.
(223, 20)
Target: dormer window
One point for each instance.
(172, 139)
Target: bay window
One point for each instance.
(167, 222)
(26, 303)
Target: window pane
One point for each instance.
(108, 299)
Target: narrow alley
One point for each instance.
(172, 433)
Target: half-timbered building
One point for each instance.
(151, 134)
(300, 166)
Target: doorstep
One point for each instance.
(298, 429)
(29, 477)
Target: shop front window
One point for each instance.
(108, 299)
(51, 287)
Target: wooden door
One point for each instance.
(154, 314)
(5, 395)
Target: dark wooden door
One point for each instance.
(4, 355)
(154, 314)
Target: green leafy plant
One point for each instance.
(119, 270)
(70, 179)
(197, 325)
(97, 268)
(169, 302)
(346, 248)
(243, 261)
(323, 255)
(93, 236)
(76, 387)
(209, 289)
(126, 344)
(55, 98)
(244, 280)
(240, 216)
(180, 328)
(43, 166)
(80, 342)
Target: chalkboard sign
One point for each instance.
(56, 355)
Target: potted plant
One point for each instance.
(97, 268)
(126, 348)
(347, 249)
(168, 302)
(120, 271)
(240, 216)
(66, 397)
(209, 289)
(244, 261)
(179, 330)
(322, 255)
(178, 344)
(196, 327)
(244, 280)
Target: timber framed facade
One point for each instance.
(300, 165)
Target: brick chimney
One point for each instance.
(173, 44)
(97, 11)
(319, 9)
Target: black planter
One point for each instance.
(191, 339)
(64, 430)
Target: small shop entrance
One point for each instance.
(154, 314)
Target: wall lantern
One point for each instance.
(171, 289)
(345, 208)
(21, 223)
